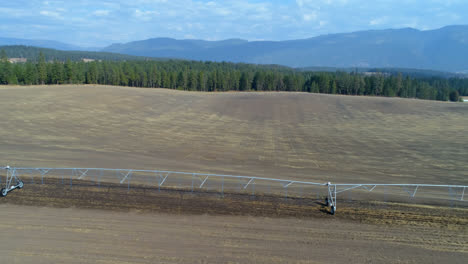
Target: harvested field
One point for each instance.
(280, 135)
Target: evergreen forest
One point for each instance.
(223, 76)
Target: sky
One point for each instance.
(97, 23)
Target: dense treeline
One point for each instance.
(415, 73)
(209, 76)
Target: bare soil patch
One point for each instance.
(89, 224)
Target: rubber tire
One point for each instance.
(326, 202)
(20, 184)
(332, 210)
(3, 192)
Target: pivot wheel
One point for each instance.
(332, 209)
(3, 192)
(20, 184)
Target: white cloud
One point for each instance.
(101, 13)
(318, 3)
(145, 15)
(14, 12)
(222, 11)
(124, 20)
(378, 21)
(41, 27)
(309, 17)
(175, 27)
(51, 14)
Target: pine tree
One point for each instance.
(201, 81)
(3, 56)
(244, 84)
(333, 87)
(7, 75)
(68, 72)
(454, 96)
(92, 74)
(42, 69)
(258, 81)
(56, 73)
(192, 81)
(30, 74)
(182, 80)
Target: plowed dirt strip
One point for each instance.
(52, 223)
(71, 235)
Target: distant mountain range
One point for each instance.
(50, 44)
(444, 49)
(32, 54)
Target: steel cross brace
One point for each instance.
(367, 188)
(350, 188)
(415, 190)
(245, 186)
(413, 193)
(126, 176)
(163, 178)
(44, 172)
(203, 182)
(82, 174)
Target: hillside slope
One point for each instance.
(283, 135)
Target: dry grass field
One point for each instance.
(281, 135)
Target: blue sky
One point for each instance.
(100, 23)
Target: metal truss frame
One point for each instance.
(125, 175)
(411, 189)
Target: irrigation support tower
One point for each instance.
(124, 176)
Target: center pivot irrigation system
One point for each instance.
(124, 176)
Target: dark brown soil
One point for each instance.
(53, 223)
(89, 195)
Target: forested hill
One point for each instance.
(32, 54)
(444, 49)
(210, 76)
(50, 44)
